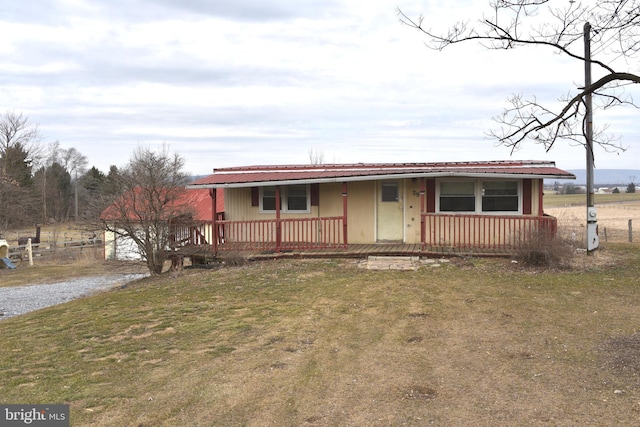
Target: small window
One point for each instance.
(269, 199)
(297, 198)
(390, 192)
(457, 196)
(500, 196)
(293, 198)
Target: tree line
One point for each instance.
(41, 183)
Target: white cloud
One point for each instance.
(245, 82)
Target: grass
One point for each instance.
(323, 343)
(562, 200)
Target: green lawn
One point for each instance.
(478, 342)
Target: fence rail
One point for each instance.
(485, 232)
(49, 249)
(283, 234)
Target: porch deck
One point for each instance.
(379, 249)
(204, 255)
(441, 235)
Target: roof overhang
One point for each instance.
(321, 180)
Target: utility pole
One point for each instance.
(592, 219)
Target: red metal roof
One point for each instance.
(198, 202)
(265, 175)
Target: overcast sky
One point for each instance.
(244, 82)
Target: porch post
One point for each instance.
(213, 192)
(423, 225)
(278, 225)
(540, 197)
(344, 214)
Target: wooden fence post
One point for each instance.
(30, 252)
(630, 231)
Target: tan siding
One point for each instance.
(361, 206)
(331, 199)
(535, 197)
(412, 211)
(237, 204)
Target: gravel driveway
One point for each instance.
(23, 299)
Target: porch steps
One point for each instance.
(376, 262)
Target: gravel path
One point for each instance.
(23, 299)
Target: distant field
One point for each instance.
(565, 200)
(615, 213)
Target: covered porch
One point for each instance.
(441, 234)
(360, 209)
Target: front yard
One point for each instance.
(322, 343)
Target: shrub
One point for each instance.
(542, 249)
(233, 259)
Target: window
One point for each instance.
(297, 198)
(500, 196)
(268, 199)
(479, 196)
(390, 192)
(457, 196)
(293, 198)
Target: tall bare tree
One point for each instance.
(558, 26)
(152, 186)
(17, 131)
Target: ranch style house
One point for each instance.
(457, 206)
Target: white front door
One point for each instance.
(390, 214)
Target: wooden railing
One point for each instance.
(187, 233)
(282, 234)
(484, 231)
(439, 230)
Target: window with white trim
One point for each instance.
(457, 196)
(293, 199)
(500, 196)
(479, 196)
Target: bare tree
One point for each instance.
(17, 131)
(76, 164)
(152, 186)
(316, 157)
(559, 27)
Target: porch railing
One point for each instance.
(283, 234)
(440, 230)
(485, 231)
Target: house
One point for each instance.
(492, 204)
(192, 227)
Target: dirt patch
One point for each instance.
(418, 392)
(622, 355)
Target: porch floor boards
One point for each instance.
(381, 249)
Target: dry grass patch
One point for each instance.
(325, 343)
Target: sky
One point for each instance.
(252, 82)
